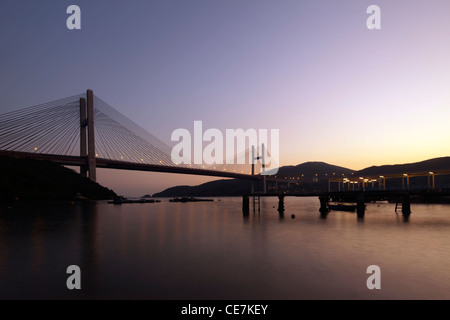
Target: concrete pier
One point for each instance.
(245, 205)
(324, 209)
(406, 205)
(281, 204)
(324, 203)
(360, 205)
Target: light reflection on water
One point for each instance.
(210, 250)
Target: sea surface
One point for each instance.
(210, 250)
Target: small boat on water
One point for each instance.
(121, 200)
(189, 199)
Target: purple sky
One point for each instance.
(338, 92)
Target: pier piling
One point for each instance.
(324, 209)
(281, 204)
(323, 203)
(406, 205)
(360, 205)
(245, 205)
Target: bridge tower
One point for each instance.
(263, 163)
(83, 126)
(87, 139)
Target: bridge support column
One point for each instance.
(83, 125)
(360, 205)
(265, 185)
(245, 205)
(406, 205)
(323, 203)
(281, 204)
(324, 206)
(91, 138)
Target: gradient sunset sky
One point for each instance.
(337, 91)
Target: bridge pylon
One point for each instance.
(87, 138)
(83, 135)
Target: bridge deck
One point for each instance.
(123, 165)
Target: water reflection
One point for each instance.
(214, 250)
(404, 217)
(3, 249)
(37, 237)
(90, 242)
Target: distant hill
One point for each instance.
(28, 179)
(436, 164)
(312, 176)
(310, 170)
(230, 187)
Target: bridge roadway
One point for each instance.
(123, 165)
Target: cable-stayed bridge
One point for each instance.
(84, 131)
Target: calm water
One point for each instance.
(210, 250)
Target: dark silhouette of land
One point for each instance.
(232, 187)
(28, 179)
